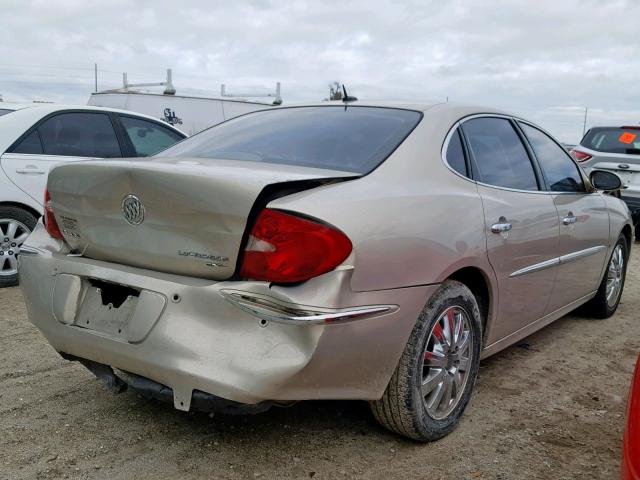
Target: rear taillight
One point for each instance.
(580, 156)
(285, 248)
(50, 223)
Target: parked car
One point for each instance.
(616, 149)
(36, 137)
(365, 251)
(631, 442)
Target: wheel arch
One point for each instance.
(480, 285)
(23, 206)
(627, 231)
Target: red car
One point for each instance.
(631, 445)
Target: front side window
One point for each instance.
(148, 137)
(561, 173)
(79, 134)
(347, 138)
(455, 154)
(499, 155)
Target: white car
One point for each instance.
(36, 137)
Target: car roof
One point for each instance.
(363, 103)
(421, 107)
(619, 127)
(14, 106)
(47, 108)
(464, 109)
(402, 104)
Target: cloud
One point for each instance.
(545, 60)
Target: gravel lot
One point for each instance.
(552, 407)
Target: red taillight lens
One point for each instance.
(580, 156)
(284, 248)
(49, 220)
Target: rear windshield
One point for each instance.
(353, 139)
(4, 111)
(613, 140)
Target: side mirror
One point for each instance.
(606, 181)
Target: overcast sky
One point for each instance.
(543, 59)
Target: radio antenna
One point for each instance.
(345, 97)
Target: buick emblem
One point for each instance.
(133, 210)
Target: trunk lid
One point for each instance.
(181, 216)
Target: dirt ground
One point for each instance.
(552, 407)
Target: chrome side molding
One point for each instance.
(569, 257)
(536, 267)
(271, 310)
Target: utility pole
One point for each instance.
(95, 76)
(584, 125)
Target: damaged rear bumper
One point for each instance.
(247, 342)
(119, 381)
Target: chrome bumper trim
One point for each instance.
(25, 250)
(271, 310)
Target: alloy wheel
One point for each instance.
(446, 362)
(12, 235)
(615, 274)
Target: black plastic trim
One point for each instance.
(541, 178)
(578, 169)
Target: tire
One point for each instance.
(635, 217)
(601, 306)
(403, 409)
(15, 224)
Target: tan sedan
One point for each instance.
(332, 251)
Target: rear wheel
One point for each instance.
(432, 383)
(607, 299)
(15, 226)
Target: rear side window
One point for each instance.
(148, 137)
(613, 140)
(4, 111)
(29, 144)
(455, 154)
(348, 138)
(562, 174)
(79, 135)
(499, 155)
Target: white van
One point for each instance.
(188, 113)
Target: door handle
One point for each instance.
(30, 169)
(569, 219)
(501, 227)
